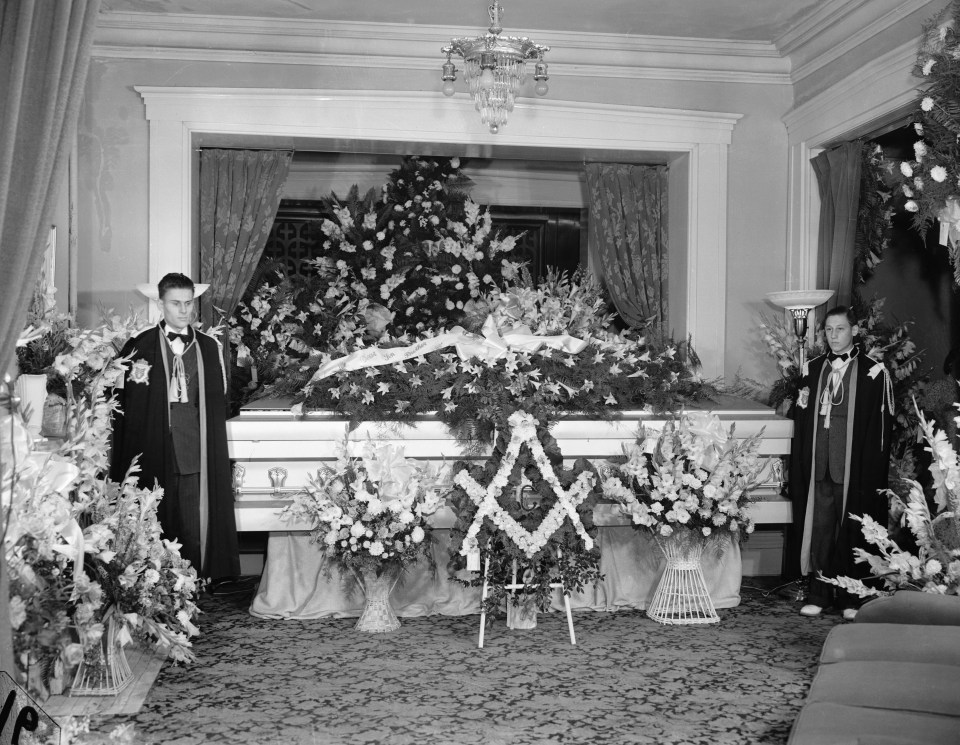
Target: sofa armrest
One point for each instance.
(906, 606)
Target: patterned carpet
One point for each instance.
(628, 680)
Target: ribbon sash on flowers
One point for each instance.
(487, 346)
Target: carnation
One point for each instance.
(417, 535)
(376, 548)
(938, 174)
(905, 169)
(18, 612)
(927, 103)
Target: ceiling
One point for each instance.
(739, 20)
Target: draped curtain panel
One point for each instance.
(239, 195)
(628, 238)
(44, 57)
(838, 177)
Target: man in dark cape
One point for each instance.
(189, 457)
(839, 460)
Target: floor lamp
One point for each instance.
(799, 303)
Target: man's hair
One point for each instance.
(174, 281)
(842, 310)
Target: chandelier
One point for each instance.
(495, 68)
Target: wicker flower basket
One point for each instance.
(682, 596)
(110, 672)
(378, 616)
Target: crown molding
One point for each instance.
(823, 17)
(236, 39)
(883, 86)
(850, 41)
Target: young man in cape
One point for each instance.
(839, 460)
(173, 416)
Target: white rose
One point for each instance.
(417, 535)
(911, 206)
(928, 65)
(905, 169)
(933, 567)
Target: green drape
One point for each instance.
(628, 238)
(239, 195)
(838, 176)
(44, 57)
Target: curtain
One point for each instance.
(44, 57)
(838, 176)
(239, 196)
(628, 238)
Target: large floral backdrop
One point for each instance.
(418, 266)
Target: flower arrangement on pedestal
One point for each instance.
(693, 475)
(688, 486)
(524, 518)
(930, 179)
(369, 516)
(935, 567)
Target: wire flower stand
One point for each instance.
(378, 616)
(682, 596)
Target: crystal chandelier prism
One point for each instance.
(495, 68)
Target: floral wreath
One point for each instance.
(523, 428)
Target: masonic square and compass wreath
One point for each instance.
(524, 513)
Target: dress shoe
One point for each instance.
(849, 614)
(811, 610)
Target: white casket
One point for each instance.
(274, 451)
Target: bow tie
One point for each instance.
(173, 336)
(845, 356)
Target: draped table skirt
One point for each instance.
(296, 583)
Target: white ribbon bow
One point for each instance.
(949, 217)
